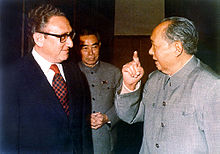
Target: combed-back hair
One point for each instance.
(89, 31)
(39, 17)
(183, 30)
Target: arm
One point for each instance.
(109, 117)
(211, 119)
(127, 103)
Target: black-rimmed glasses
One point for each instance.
(63, 37)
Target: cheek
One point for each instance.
(56, 49)
(97, 53)
(84, 57)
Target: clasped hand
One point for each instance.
(98, 120)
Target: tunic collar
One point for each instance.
(89, 69)
(181, 76)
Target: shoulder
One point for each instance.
(71, 68)
(205, 85)
(155, 75)
(108, 67)
(73, 75)
(21, 65)
(205, 82)
(204, 74)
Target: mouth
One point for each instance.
(66, 51)
(91, 58)
(156, 62)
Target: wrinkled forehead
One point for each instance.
(58, 24)
(160, 30)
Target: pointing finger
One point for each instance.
(136, 58)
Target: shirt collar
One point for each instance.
(43, 63)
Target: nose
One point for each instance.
(90, 51)
(69, 42)
(151, 52)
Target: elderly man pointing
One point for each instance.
(180, 103)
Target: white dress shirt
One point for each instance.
(45, 66)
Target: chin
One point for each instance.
(64, 58)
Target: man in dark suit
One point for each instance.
(45, 109)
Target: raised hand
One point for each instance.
(132, 72)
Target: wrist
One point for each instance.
(126, 89)
(106, 120)
(109, 123)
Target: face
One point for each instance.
(52, 49)
(89, 49)
(163, 52)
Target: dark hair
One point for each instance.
(182, 29)
(89, 31)
(39, 17)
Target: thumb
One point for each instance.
(136, 58)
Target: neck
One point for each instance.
(90, 65)
(181, 63)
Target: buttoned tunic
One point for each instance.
(181, 113)
(103, 79)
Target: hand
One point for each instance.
(98, 120)
(132, 72)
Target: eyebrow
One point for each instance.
(83, 45)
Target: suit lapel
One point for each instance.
(43, 90)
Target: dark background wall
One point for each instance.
(206, 17)
(81, 13)
(100, 14)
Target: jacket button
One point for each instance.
(93, 85)
(162, 124)
(157, 145)
(164, 103)
(93, 98)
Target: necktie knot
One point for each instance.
(55, 68)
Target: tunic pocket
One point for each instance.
(188, 110)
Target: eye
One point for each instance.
(95, 46)
(84, 48)
(63, 37)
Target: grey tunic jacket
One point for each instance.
(103, 79)
(181, 113)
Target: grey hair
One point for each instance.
(39, 17)
(183, 30)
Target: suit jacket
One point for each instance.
(33, 119)
(103, 80)
(181, 113)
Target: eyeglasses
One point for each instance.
(63, 37)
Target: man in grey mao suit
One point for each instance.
(103, 79)
(180, 103)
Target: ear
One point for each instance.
(179, 48)
(38, 39)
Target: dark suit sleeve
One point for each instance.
(9, 111)
(87, 132)
(79, 90)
